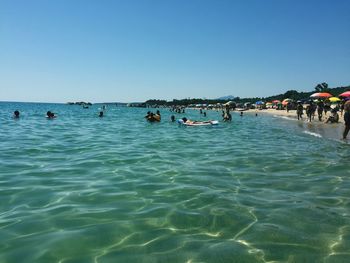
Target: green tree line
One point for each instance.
(290, 94)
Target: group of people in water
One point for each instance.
(49, 115)
(151, 117)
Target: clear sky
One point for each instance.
(134, 50)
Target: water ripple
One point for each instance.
(119, 189)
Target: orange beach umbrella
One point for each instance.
(321, 95)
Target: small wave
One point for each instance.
(285, 117)
(313, 134)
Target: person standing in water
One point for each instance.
(320, 108)
(346, 119)
(300, 109)
(309, 112)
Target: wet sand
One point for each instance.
(293, 114)
(316, 128)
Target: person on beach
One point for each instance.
(313, 109)
(334, 117)
(320, 108)
(288, 107)
(342, 108)
(16, 114)
(327, 107)
(309, 112)
(300, 109)
(346, 119)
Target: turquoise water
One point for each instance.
(118, 189)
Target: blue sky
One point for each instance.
(128, 50)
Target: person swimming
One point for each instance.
(148, 114)
(50, 115)
(157, 115)
(172, 118)
(153, 117)
(100, 114)
(16, 114)
(190, 122)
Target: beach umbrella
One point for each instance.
(230, 103)
(321, 95)
(334, 99)
(259, 102)
(286, 101)
(276, 101)
(345, 94)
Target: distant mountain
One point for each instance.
(229, 97)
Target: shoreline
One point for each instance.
(293, 114)
(316, 128)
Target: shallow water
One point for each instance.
(118, 189)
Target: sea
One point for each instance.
(84, 189)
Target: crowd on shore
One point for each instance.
(320, 111)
